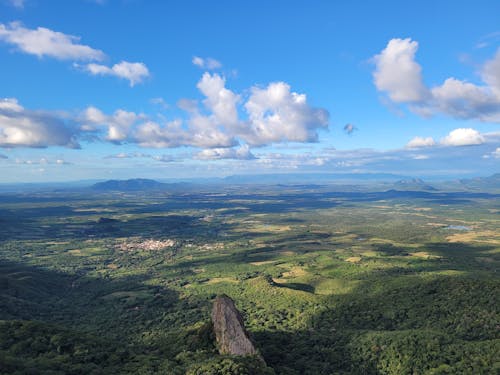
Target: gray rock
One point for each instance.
(230, 333)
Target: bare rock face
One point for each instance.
(230, 333)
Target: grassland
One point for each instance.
(329, 281)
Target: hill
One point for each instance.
(413, 184)
(129, 185)
(490, 182)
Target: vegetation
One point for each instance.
(330, 280)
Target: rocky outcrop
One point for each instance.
(230, 333)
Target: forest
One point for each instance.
(330, 279)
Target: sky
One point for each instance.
(114, 89)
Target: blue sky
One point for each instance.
(164, 89)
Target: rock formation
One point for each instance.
(230, 333)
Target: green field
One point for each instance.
(330, 281)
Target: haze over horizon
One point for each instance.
(115, 89)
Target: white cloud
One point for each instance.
(24, 128)
(418, 142)
(118, 125)
(218, 128)
(43, 42)
(399, 75)
(160, 102)
(491, 73)
(463, 137)
(494, 154)
(241, 153)
(205, 132)
(133, 72)
(42, 161)
(121, 155)
(278, 115)
(420, 157)
(275, 114)
(206, 63)
(165, 158)
(153, 135)
(10, 104)
(465, 100)
(220, 101)
(188, 105)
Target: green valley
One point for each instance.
(330, 279)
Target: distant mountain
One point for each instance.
(413, 184)
(493, 179)
(135, 184)
(490, 182)
(311, 178)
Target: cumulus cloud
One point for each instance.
(153, 135)
(241, 153)
(43, 42)
(218, 124)
(220, 101)
(457, 137)
(218, 127)
(20, 127)
(276, 114)
(491, 73)
(399, 75)
(496, 154)
(418, 142)
(349, 128)
(205, 132)
(118, 124)
(206, 63)
(133, 72)
(463, 137)
(465, 101)
(10, 104)
(199, 131)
